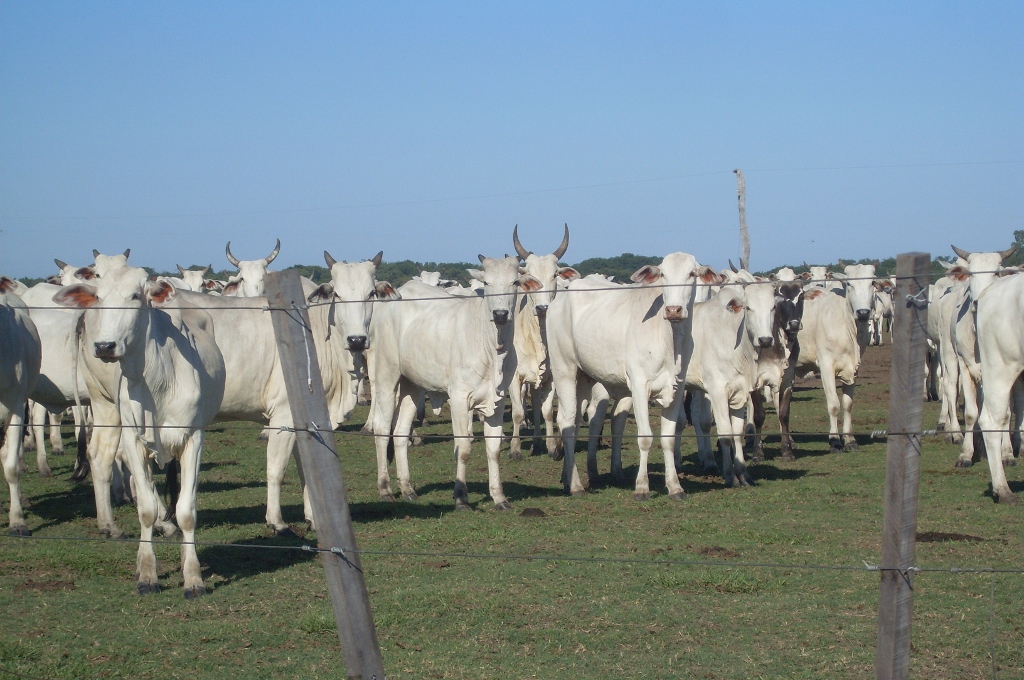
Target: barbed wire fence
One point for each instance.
(347, 555)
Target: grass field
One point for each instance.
(70, 610)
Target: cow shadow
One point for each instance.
(249, 558)
(513, 490)
(1016, 487)
(63, 507)
(219, 486)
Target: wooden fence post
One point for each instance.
(741, 196)
(322, 471)
(903, 462)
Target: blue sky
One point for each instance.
(429, 130)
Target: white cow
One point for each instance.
(532, 369)
(636, 341)
(69, 274)
(173, 382)
(461, 346)
(19, 369)
(106, 263)
(828, 345)
(195, 280)
(881, 311)
(944, 369)
(248, 282)
(1000, 309)
(859, 285)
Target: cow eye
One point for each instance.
(136, 297)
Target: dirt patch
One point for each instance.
(942, 537)
(45, 586)
(442, 564)
(533, 512)
(717, 552)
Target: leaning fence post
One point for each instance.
(344, 570)
(903, 462)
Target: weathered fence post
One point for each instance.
(903, 462)
(322, 471)
(741, 196)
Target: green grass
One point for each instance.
(69, 608)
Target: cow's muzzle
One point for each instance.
(863, 314)
(766, 341)
(542, 310)
(674, 313)
(794, 325)
(500, 316)
(356, 343)
(107, 351)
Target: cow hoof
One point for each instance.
(504, 505)
(416, 441)
(1009, 462)
(263, 436)
(850, 446)
(578, 493)
(757, 457)
(112, 532)
(1006, 498)
(642, 496)
(515, 455)
(286, 532)
(678, 496)
(941, 427)
(169, 530)
(143, 588)
(961, 463)
(462, 505)
(195, 592)
(538, 450)
(387, 497)
(834, 448)
(19, 530)
(411, 497)
(57, 452)
(788, 456)
(745, 479)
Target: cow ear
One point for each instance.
(568, 273)
(735, 305)
(210, 284)
(812, 294)
(85, 273)
(80, 295)
(230, 288)
(385, 291)
(839, 277)
(55, 280)
(7, 284)
(529, 283)
(806, 276)
(709, 275)
(161, 292)
(878, 285)
(648, 274)
(475, 274)
(323, 293)
(958, 273)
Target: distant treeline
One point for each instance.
(621, 267)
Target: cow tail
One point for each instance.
(81, 470)
(172, 486)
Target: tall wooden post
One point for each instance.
(319, 458)
(741, 195)
(903, 462)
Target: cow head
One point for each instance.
(679, 274)
(117, 304)
(248, 282)
(546, 270)
(70, 274)
(858, 280)
(354, 287)
(789, 308)
(195, 279)
(107, 263)
(502, 281)
(759, 303)
(981, 269)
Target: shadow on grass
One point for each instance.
(1015, 486)
(217, 487)
(240, 563)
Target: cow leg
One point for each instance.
(102, 451)
(619, 416)
(594, 432)
(994, 423)
(146, 503)
(547, 413)
(785, 394)
(515, 394)
(756, 417)
(492, 444)
(462, 423)
(13, 423)
(828, 384)
(185, 512)
(56, 442)
(280, 445)
(700, 413)
(738, 419)
(950, 385)
(849, 441)
(1018, 418)
(568, 404)
(971, 412)
(382, 413)
(669, 418)
(644, 435)
(39, 416)
(307, 505)
(409, 396)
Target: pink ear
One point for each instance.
(810, 295)
(7, 284)
(230, 288)
(709, 275)
(568, 273)
(530, 283)
(79, 295)
(734, 306)
(160, 292)
(958, 273)
(648, 274)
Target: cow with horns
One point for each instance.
(532, 369)
(248, 282)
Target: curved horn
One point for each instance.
(231, 258)
(482, 258)
(60, 263)
(960, 253)
(807, 265)
(208, 269)
(1003, 254)
(563, 246)
(377, 259)
(839, 263)
(329, 260)
(181, 269)
(733, 267)
(95, 253)
(277, 249)
(127, 252)
(520, 250)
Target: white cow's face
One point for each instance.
(116, 303)
(195, 280)
(785, 274)
(981, 270)
(108, 263)
(859, 279)
(545, 269)
(819, 276)
(354, 287)
(680, 275)
(502, 280)
(430, 278)
(759, 303)
(249, 281)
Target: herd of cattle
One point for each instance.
(145, 364)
